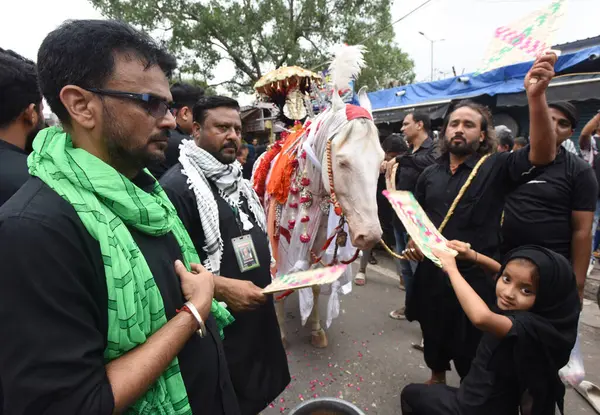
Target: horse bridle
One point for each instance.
(337, 208)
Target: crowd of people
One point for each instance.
(124, 231)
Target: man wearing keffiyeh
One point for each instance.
(95, 264)
(227, 225)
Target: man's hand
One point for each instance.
(464, 250)
(447, 259)
(389, 168)
(541, 73)
(197, 286)
(239, 295)
(412, 252)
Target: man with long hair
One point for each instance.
(469, 170)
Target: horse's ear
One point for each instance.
(364, 101)
(336, 101)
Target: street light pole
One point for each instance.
(432, 42)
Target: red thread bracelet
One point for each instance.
(184, 308)
(201, 327)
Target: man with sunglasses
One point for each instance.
(184, 98)
(100, 311)
(21, 118)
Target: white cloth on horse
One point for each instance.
(200, 167)
(294, 255)
(343, 285)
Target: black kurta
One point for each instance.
(53, 313)
(255, 354)
(410, 167)
(447, 332)
(490, 388)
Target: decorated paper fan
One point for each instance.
(305, 279)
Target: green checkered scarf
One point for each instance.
(107, 202)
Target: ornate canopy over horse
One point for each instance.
(318, 186)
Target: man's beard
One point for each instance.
(226, 158)
(33, 133)
(29, 139)
(122, 156)
(461, 147)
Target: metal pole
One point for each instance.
(432, 61)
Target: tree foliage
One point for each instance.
(261, 35)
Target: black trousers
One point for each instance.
(420, 399)
(448, 334)
(454, 339)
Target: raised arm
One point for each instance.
(585, 138)
(474, 307)
(542, 135)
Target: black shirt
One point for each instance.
(410, 167)
(176, 136)
(255, 354)
(53, 318)
(539, 211)
(491, 387)
(476, 219)
(13, 170)
(412, 164)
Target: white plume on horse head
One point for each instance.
(345, 66)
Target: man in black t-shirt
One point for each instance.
(422, 153)
(21, 118)
(556, 208)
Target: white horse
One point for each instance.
(332, 193)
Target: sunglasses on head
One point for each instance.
(156, 106)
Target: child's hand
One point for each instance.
(447, 259)
(465, 253)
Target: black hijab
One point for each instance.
(545, 334)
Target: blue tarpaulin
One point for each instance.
(505, 80)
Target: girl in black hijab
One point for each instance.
(528, 337)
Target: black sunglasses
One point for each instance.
(156, 106)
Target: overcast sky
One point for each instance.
(466, 26)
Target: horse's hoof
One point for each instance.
(319, 339)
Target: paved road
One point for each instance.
(369, 359)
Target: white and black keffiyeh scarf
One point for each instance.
(201, 167)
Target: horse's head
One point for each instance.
(356, 156)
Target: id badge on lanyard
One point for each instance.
(244, 249)
(245, 253)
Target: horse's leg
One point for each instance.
(318, 335)
(280, 311)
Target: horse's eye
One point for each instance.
(344, 164)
